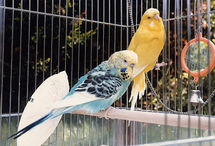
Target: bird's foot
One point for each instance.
(107, 111)
(158, 65)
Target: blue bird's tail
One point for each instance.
(29, 127)
(52, 114)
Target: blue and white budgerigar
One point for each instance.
(95, 91)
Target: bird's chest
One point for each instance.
(96, 106)
(149, 48)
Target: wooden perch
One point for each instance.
(186, 121)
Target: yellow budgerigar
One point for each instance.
(147, 43)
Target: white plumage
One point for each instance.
(77, 99)
(51, 90)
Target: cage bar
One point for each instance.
(39, 39)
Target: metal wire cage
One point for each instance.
(41, 38)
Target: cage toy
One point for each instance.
(194, 57)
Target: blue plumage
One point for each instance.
(123, 69)
(95, 91)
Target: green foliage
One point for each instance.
(212, 19)
(76, 36)
(69, 3)
(42, 65)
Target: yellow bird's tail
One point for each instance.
(138, 89)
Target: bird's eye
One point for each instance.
(149, 17)
(125, 61)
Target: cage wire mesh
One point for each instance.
(41, 38)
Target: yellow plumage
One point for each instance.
(147, 43)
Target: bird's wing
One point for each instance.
(99, 84)
(75, 99)
(99, 69)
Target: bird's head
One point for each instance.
(151, 19)
(124, 61)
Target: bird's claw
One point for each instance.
(158, 65)
(107, 111)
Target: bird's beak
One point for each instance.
(156, 17)
(132, 66)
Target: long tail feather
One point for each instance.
(138, 89)
(29, 127)
(52, 114)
